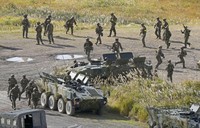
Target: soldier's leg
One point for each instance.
(100, 39)
(49, 38)
(38, 40)
(9, 87)
(156, 32)
(183, 61)
(114, 30)
(143, 40)
(72, 30)
(45, 30)
(159, 33)
(26, 32)
(52, 38)
(67, 29)
(23, 31)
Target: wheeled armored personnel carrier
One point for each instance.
(70, 95)
(175, 118)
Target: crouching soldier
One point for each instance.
(14, 94)
(35, 98)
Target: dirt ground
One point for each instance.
(13, 45)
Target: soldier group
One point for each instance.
(27, 86)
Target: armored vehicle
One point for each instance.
(70, 95)
(111, 65)
(24, 118)
(175, 118)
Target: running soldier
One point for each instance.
(29, 90)
(170, 70)
(116, 47)
(143, 32)
(38, 30)
(50, 32)
(99, 32)
(24, 82)
(11, 83)
(26, 25)
(181, 55)
(166, 34)
(70, 25)
(113, 21)
(35, 98)
(14, 94)
(159, 56)
(47, 20)
(186, 33)
(157, 27)
(88, 47)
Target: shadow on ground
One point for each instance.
(9, 48)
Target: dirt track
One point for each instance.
(13, 45)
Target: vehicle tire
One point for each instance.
(44, 100)
(99, 111)
(52, 103)
(61, 105)
(70, 110)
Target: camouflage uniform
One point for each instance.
(26, 25)
(47, 20)
(50, 32)
(38, 29)
(166, 34)
(99, 32)
(170, 69)
(24, 82)
(181, 55)
(14, 94)
(69, 24)
(29, 90)
(35, 98)
(88, 47)
(157, 27)
(116, 46)
(159, 56)
(186, 33)
(12, 82)
(143, 32)
(113, 21)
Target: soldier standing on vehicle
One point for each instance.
(26, 25)
(29, 90)
(35, 97)
(113, 21)
(47, 20)
(181, 55)
(50, 32)
(143, 32)
(14, 94)
(88, 47)
(157, 27)
(38, 30)
(11, 83)
(186, 33)
(116, 47)
(99, 32)
(170, 70)
(24, 82)
(159, 56)
(70, 25)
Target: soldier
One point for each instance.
(143, 32)
(186, 33)
(35, 98)
(159, 56)
(29, 90)
(113, 21)
(38, 29)
(26, 25)
(166, 34)
(70, 24)
(99, 32)
(165, 27)
(88, 47)
(14, 94)
(170, 69)
(12, 82)
(157, 27)
(181, 55)
(47, 20)
(24, 82)
(116, 47)
(50, 32)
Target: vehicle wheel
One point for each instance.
(52, 103)
(61, 105)
(99, 111)
(70, 110)
(44, 100)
